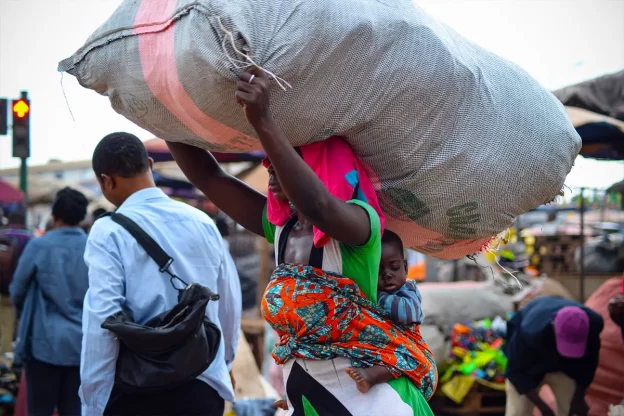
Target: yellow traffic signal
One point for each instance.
(21, 108)
(21, 127)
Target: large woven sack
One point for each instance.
(459, 140)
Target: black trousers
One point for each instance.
(50, 387)
(194, 398)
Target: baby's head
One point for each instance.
(393, 266)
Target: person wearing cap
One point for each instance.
(553, 341)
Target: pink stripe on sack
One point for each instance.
(157, 53)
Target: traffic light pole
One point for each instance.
(21, 139)
(24, 179)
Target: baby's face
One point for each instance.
(392, 269)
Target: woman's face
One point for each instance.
(274, 186)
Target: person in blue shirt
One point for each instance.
(121, 274)
(47, 290)
(553, 341)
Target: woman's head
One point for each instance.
(274, 185)
(393, 266)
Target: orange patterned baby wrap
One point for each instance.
(320, 316)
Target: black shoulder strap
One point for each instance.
(149, 245)
(316, 257)
(281, 244)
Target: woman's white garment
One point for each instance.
(332, 375)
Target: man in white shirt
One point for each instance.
(122, 274)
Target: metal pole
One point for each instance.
(24, 177)
(24, 168)
(24, 187)
(582, 262)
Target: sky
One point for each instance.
(559, 42)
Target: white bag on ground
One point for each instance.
(460, 141)
(445, 304)
(436, 342)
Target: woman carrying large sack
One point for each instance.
(328, 250)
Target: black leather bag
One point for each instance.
(171, 348)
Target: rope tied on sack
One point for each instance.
(248, 61)
(493, 247)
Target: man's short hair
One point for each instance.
(391, 238)
(70, 206)
(120, 154)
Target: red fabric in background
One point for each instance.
(608, 385)
(20, 406)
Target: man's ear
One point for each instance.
(405, 265)
(107, 182)
(151, 163)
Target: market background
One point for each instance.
(572, 247)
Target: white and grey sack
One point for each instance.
(460, 140)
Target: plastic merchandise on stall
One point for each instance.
(476, 356)
(8, 386)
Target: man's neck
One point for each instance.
(132, 187)
(60, 225)
(136, 189)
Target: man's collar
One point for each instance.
(67, 230)
(143, 195)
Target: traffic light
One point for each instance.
(4, 125)
(21, 127)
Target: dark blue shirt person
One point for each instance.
(553, 335)
(48, 290)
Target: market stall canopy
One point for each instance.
(9, 193)
(596, 109)
(43, 190)
(616, 187)
(169, 170)
(166, 182)
(603, 95)
(603, 137)
(158, 150)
